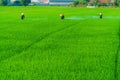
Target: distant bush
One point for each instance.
(75, 3)
(82, 3)
(3, 2)
(79, 3)
(17, 3)
(103, 4)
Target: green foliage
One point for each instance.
(81, 2)
(76, 3)
(95, 3)
(3, 2)
(25, 2)
(116, 3)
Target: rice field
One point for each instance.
(44, 47)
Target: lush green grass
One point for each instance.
(43, 47)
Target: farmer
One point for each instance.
(22, 16)
(62, 16)
(101, 15)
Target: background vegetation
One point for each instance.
(76, 3)
(95, 3)
(16, 3)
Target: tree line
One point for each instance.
(20, 2)
(74, 3)
(95, 3)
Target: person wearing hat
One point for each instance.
(22, 16)
(101, 15)
(62, 16)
